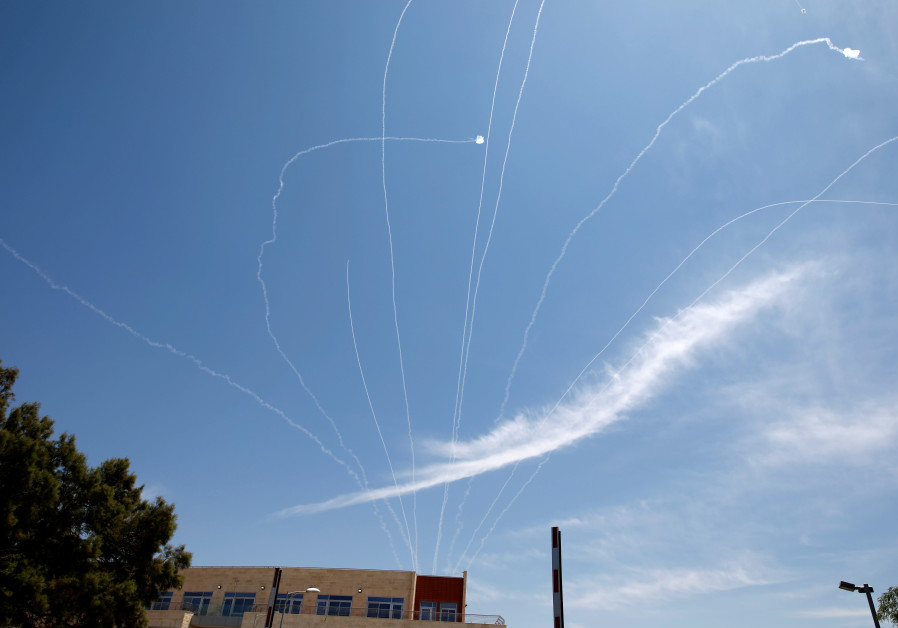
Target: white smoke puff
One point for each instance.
(851, 54)
(479, 138)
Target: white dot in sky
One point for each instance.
(478, 139)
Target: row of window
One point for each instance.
(388, 607)
(288, 605)
(198, 602)
(341, 605)
(236, 604)
(429, 611)
(161, 604)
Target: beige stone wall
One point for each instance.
(258, 580)
(170, 619)
(221, 580)
(372, 582)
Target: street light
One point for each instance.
(290, 595)
(848, 586)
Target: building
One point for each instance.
(293, 597)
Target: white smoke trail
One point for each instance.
(506, 509)
(181, 354)
(383, 172)
(362, 482)
(790, 216)
(846, 52)
(623, 327)
(501, 181)
(383, 526)
(273, 240)
(485, 517)
(689, 256)
(459, 523)
(520, 440)
(701, 296)
(474, 466)
(564, 247)
(374, 416)
(614, 380)
(495, 213)
(594, 408)
(462, 367)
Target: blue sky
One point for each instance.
(258, 250)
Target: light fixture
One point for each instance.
(263, 587)
(219, 586)
(848, 586)
(360, 589)
(311, 590)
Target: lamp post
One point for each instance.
(847, 586)
(290, 595)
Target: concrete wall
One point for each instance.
(169, 619)
(258, 580)
(358, 583)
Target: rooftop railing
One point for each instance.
(226, 610)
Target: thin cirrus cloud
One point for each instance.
(833, 613)
(665, 583)
(670, 348)
(823, 434)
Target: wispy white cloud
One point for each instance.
(821, 434)
(833, 613)
(664, 584)
(670, 348)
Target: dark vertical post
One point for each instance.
(868, 590)
(557, 597)
(272, 598)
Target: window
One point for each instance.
(293, 606)
(428, 611)
(388, 607)
(196, 602)
(161, 604)
(334, 605)
(235, 604)
(448, 611)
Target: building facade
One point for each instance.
(289, 597)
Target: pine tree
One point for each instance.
(79, 546)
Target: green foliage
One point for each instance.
(78, 545)
(888, 606)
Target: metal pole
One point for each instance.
(868, 590)
(557, 595)
(272, 598)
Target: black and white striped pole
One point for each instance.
(557, 597)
